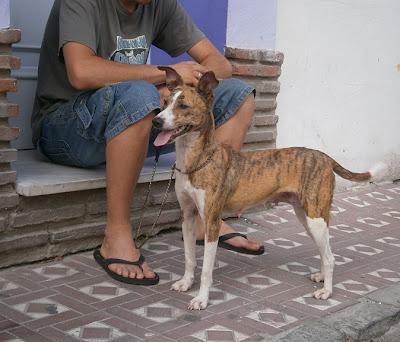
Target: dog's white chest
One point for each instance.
(184, 186)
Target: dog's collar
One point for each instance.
(198, 167)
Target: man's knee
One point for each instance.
(234, 88)
(233, 98)
(136, 103)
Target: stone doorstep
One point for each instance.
(371, 319)
(37, 176)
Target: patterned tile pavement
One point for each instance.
(73, 300)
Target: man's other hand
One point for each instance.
(190, 71)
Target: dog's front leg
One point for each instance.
(210, 249)
(189, 241)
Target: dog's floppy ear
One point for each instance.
(207, 83)
(173, 79)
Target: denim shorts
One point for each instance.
(76, 133)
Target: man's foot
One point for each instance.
(123, 247)
(237, 241)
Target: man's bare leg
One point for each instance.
(233, 133)
(125, 155)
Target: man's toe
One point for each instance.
(132, 273)
(139, 274)
(253, 245)
(148, 273)
(125, 273)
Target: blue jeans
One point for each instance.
(76, 133)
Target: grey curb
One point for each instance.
(372, 317)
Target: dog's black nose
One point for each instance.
(158, 122)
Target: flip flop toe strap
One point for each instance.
(139, 262)
(228, 236)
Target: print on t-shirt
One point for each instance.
(130, 51)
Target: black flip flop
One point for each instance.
(223, 244)
(104, 263)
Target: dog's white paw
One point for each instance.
(322, 294)
(198, 303)
(182, 285)
(317, 277)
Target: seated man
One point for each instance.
(96, 98)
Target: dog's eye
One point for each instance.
(183, 106)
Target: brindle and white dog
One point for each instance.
(212, 179)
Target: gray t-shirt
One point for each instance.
(111, 32)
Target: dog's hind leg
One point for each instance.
(210, 249)
(190, 217)
(301, 216)
(318, 229)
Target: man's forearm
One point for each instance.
(219, 64)
(95, 72)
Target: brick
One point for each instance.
(8, 133)
(7, 155)
(8, 85)
(95, 208)
(73, 246)
(8, 200)
(39, 216)
(77, 232)
(271, 56)
(244, 54)
(265, 104)
(258, 136)
(264, 56)
(8, 109)
(10, 36)
(7, 177)
(157, 198)
(3, 223)
(256, 70)
(265, 120)
(20, 256)
(167, 216)
(9, 62)
(265, 86)
(20, 241)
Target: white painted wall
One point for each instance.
(251, 24)
(4, 14)
(340, 82)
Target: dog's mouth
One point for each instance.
(168, 136)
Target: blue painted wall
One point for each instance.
(210, 16)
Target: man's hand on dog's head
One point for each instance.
(190, 71)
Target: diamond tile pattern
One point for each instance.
(96, 331)
(298, 268)
(251, 297)
(355, 287)
(40, 308)
(104, 290)
(272, 317)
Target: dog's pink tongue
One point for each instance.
(163, 137)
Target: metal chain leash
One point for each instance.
(145, 238)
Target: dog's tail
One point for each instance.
(375, 174)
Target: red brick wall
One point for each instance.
(260, 68)
(8, 197)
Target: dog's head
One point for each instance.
(188, 108)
